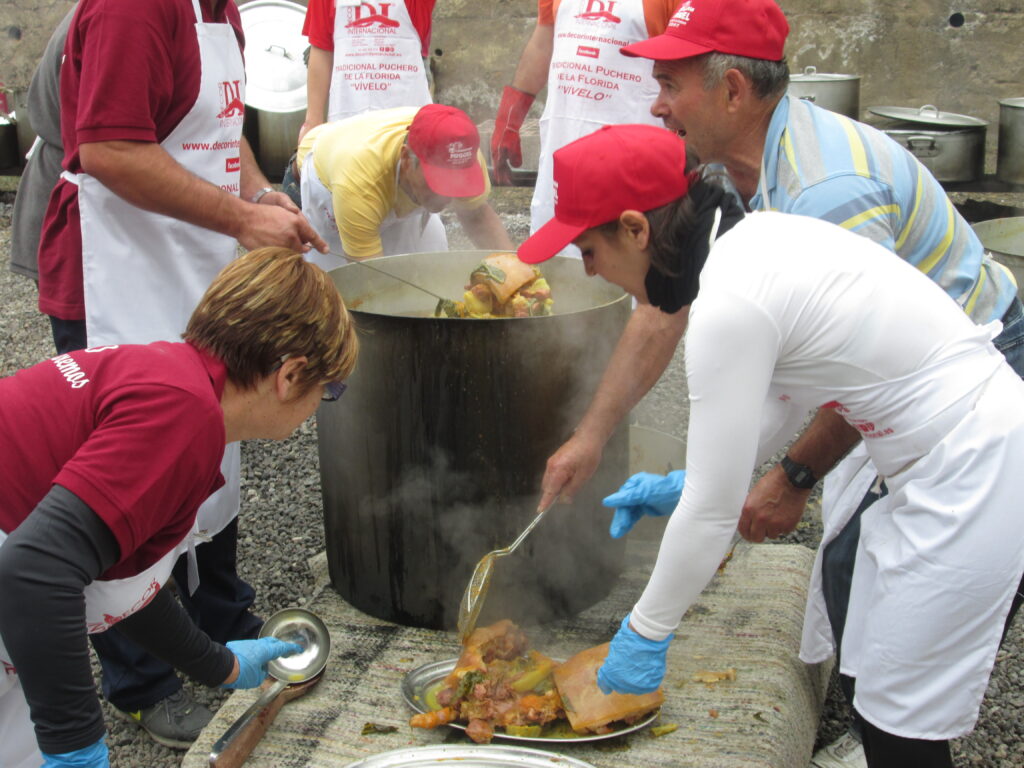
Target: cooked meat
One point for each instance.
(498, 683)
(503, 286)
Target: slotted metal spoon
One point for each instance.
(480, 581)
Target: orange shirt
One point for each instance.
(656, 12)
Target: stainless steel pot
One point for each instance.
(1004, 239)
(1010, 159)
(435, 454)
(275, 87)
(835, 92)
(950, 145)
(951, 156)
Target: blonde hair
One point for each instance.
(271, 304)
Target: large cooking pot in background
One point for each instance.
(950, 145)
(434, 456)
(275, 80)
(1010, 161)
(1004, 239)
(835, 92)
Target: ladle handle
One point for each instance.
(238, 741)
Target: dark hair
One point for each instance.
(672, 223)
(768, 78)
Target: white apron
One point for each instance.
(378, 60)
(419, 231)
(106, 603)
(144, 272)
(590, 83)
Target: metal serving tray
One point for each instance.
(465, 756)
(418, 681)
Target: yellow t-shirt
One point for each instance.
(357, 160)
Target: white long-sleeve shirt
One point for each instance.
(794, 314)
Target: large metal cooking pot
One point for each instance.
(835, 92)
(1004, 239)
(1010, 160)
(950, 145)
(435, 454)
(275, 79)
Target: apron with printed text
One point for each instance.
(590, 83)
(419, 231)
(378, 60)
(145, 272)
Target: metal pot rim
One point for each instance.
(812, 75)
(1017, 102)
(929, 114)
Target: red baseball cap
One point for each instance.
(446, 143)
(756, 29)
(614, 169)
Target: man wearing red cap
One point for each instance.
(374, 184)
(574, 51)
(723, 77)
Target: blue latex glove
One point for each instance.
(253, 656)
(644, 494)
(634, 664)
(93, 756)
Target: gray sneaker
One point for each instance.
(844, 752)
(174, 722)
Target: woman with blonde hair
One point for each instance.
(107, 454)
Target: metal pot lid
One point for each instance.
(275, 74)
(469, 756)
(929, 114)
(812, 75)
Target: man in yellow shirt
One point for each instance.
(373, 184)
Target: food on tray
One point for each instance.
(503, 286)
(499, 682)
(587, 708)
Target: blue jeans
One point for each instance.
(289, 184)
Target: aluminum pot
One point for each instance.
(275, 74)
(835, 92)
(434, 456)
(1004, 239)
(950, 145)
(1010, 159)
(951, 156)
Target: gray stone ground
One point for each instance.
(281, 527)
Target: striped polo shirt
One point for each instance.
(822, 164)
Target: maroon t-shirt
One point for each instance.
(134, 431)
(131, 72)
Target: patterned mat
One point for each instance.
(748, 619)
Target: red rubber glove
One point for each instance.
(505, 147)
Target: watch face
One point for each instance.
(800, 476)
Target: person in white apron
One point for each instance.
(374, 184)
(589, 84)
(143, 273)
(792, 309)
(94, 514)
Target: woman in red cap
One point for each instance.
(789, 314)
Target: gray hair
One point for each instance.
(769, 78)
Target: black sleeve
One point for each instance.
(165, 630)
(44, 566)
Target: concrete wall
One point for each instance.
(960, 56)
(908, 53)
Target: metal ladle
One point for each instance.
(480, 581)
(446, 306)
(293, 625)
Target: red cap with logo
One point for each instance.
(614, 169)
(756, 29)
(446, 143)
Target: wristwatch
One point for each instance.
(800, 475)
(259, 195)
